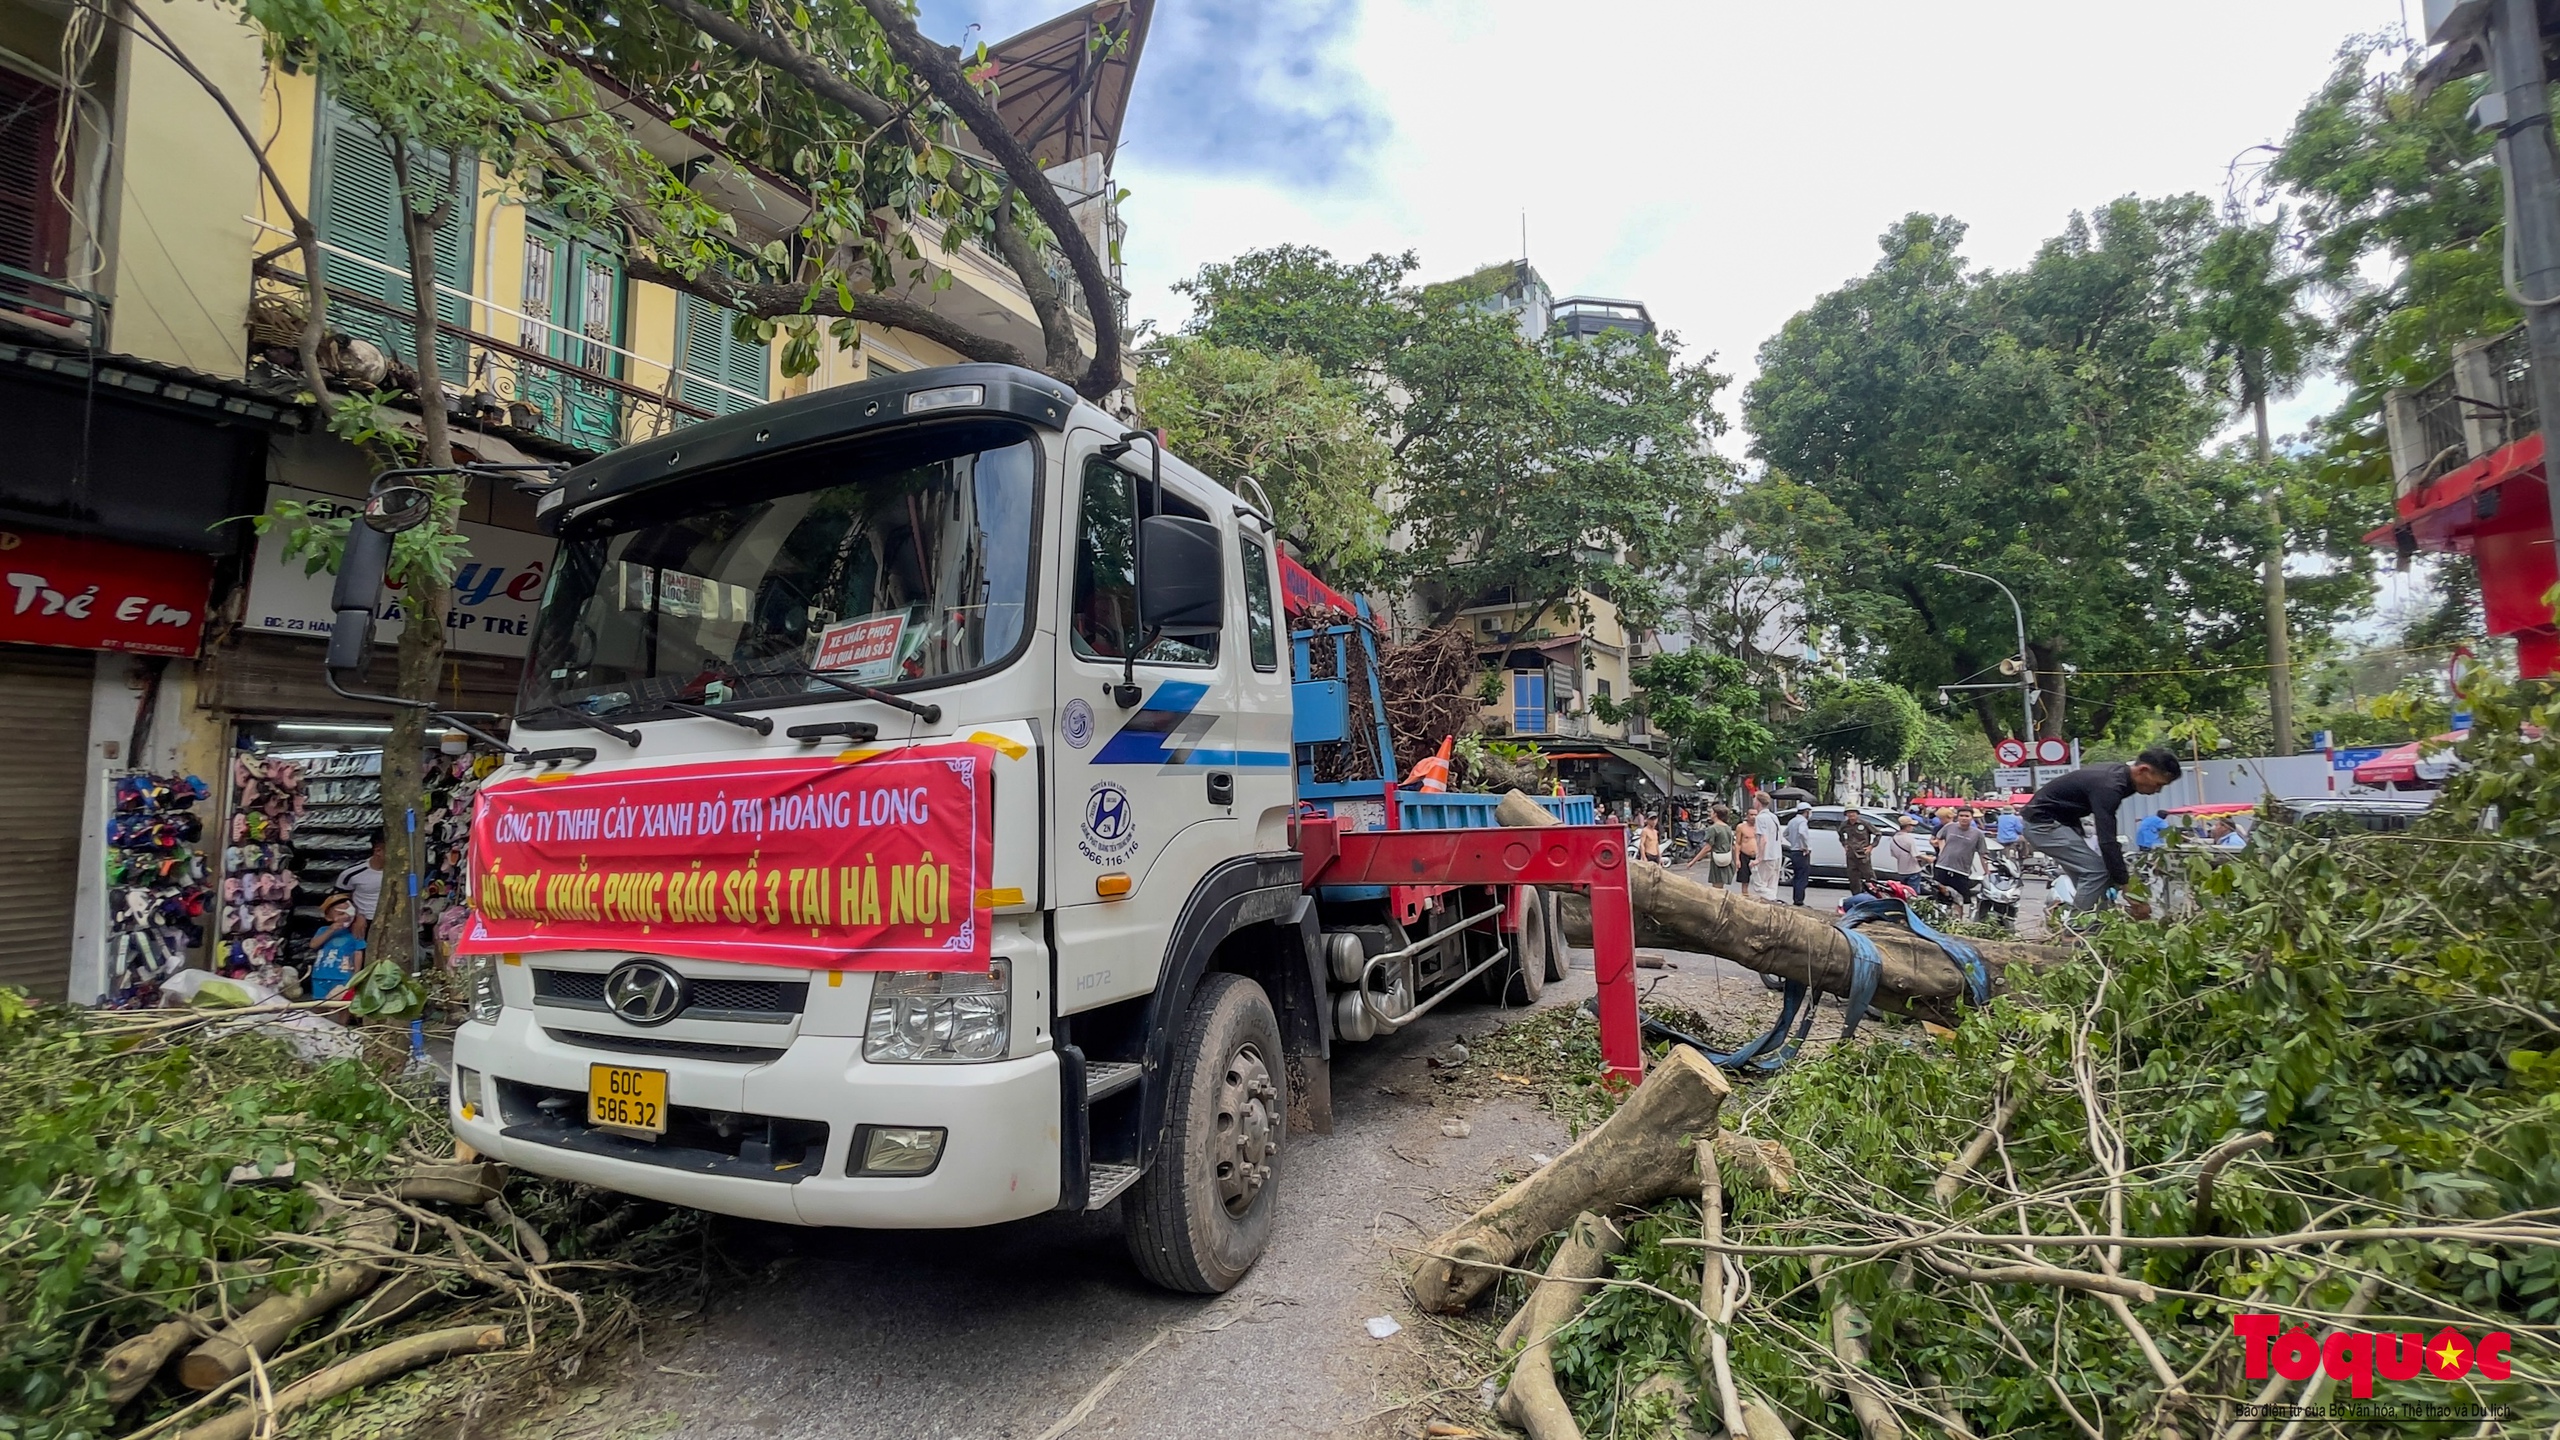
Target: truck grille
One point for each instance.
(701, 1142)
(652, 1045)
(752, 1002)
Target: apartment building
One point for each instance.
(149, 400)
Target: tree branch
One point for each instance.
(772, 50)
(939, 69)
(775, 300)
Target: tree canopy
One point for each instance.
(1525, 472)
(2047, 426)
(1283, 424)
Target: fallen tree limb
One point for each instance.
(131, 1366)
(380, 1363)
(1876, 1419)
(1638, 1155)
(472, 1185)
(1712, 1297)
(2211, 1170)
(1952, 1179)
(1532, 1401)
(2053, 1275)
(1675, 911)
(266, 1325)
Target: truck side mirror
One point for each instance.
(360, 570)
(1181, 576)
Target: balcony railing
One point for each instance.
(576, 401)
(66, 309)
(2483, 403)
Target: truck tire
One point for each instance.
(1522, 975)
(1200, 1216)
(1559, 954)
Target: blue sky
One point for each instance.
(1723, 162)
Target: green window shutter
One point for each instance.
(357, 209)
(712, 352)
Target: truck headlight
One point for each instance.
(929, 1015)
(486, 1000)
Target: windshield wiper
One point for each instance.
(758, 723)
(627, 737)
(926, 711)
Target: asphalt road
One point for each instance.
(1002, 1332)
(1007, 1333)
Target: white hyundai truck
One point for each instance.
(970, 562)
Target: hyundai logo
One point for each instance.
(645, 992)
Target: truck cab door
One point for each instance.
(1140, 816)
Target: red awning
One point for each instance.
(2402, 764)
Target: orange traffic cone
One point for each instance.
(1431, 772)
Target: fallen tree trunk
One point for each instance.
(131, 1366)
(1635, 1157)
(381, 1363)
(473, 1185)
(265, 1326)
(1532, 1401)
(1679, 913)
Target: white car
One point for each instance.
(1828, 861)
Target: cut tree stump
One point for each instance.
(1532, 1401)
(379, 1363)
(1679, 913)
(1635, 1157)
(264, 1327)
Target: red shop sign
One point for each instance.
(97, 595)
(870, 860)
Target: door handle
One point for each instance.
(1222, 788)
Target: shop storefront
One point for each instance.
(304, 786)
(87, 629)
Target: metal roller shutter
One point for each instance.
(44, 710)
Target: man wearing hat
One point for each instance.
(1857, 849)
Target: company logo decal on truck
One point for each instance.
(1110, 826)
(1170, 730)
(806, 861)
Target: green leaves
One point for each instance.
(115, 1153)
(1529, 471)
(385, 990)
(1277, 421)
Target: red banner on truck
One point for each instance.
(866, 861)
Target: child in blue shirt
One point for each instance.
(336, 953)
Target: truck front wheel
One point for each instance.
(1200, 1216)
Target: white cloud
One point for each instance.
(1726, 163)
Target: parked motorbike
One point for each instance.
(1996, 900)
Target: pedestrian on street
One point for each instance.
(1903, 849)
(1746, 842)
(2053, 821)
(1797, 841)
(1960, 843)
(363, 886)
(1765, 841)
(1649, 841)
(2151, 832)
(1857, 849)
(1719, 847)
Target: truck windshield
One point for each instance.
(891, 570)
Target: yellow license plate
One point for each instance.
(627, 1099)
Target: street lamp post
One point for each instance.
(2026, 663)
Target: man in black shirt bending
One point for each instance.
(2093, 792)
